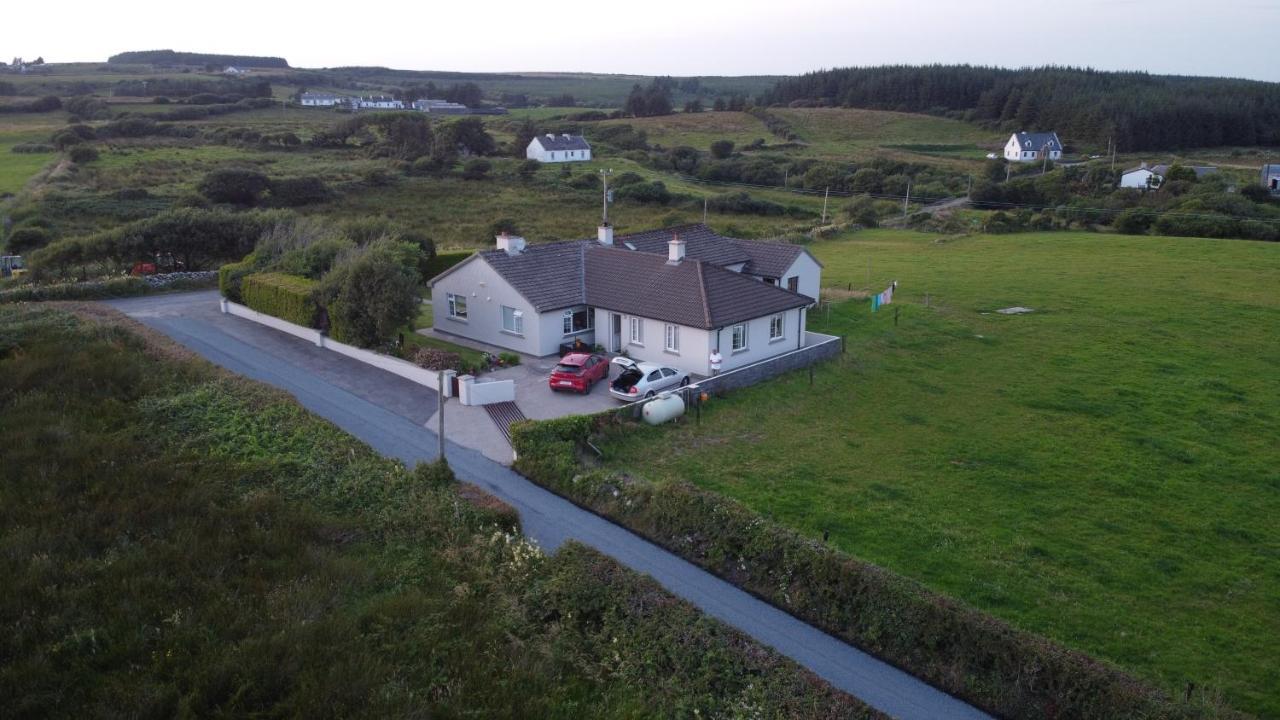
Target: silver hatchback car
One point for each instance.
(640, 380)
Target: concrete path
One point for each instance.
(388, 413)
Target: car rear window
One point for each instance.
(569, 369)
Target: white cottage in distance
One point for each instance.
(313, 99)
(558, 148)
(1027, 147)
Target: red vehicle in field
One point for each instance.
(579, 371)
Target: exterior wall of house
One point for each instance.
(696, 344)
(1141, 179)
(551, 331)
(809, 272)
(535, 151)
(759, 346)
(1014, 152)
(486, 292)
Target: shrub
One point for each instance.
(627, 178)
(238, 186)
(509, 358)
(91, 290)
(743, 203)
(476, 169)
(231, 275)
(287, 297)
(32, 148)
(25, 239)
(1134, 221)
(373, 292)
(528, 169)
(437, 359)
(64, 139)
(721, 149)
(81, 154)
(292, 192)
(645, 192)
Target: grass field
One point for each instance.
(1103, 471)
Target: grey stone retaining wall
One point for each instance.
(818, 347)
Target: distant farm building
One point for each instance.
(233, 70)
(558, 148)
(1271, 178)
(378, 102)
(1028, 147)
(1143, 177)
(310, 99)
(441, 107)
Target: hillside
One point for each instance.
(1140, 111)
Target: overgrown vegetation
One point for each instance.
(240, 557)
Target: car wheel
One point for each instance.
(684, 382)
(648, 395)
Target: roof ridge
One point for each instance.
(702, 290)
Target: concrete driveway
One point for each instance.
(381, 409)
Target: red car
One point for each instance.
(579, 371)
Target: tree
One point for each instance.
(370, 294)
(693, 106)
(721, 149)
(238, 186)
(524, 135)
(866, 180)
(718, 105)
(467, 136)
(467, 93)
(565, 100)
(25, 239)
(649, 101)
(1180, 172)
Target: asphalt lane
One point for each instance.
(388, 413)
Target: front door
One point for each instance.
(615, 332)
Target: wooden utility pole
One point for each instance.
(968, 191)
(906, 201)
(440, 410)
(604, 196)
(825, 194)
(704, 211)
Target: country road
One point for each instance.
(388, 412)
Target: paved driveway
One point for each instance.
(384, 411)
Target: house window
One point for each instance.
(672, 341)
(739, 342)
(793, 283)
(637, 331)
(777, 325)
(576, 321)
(457, 306)
(512, 320)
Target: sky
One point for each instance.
(1234, 38)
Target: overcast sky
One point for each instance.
(670, 37)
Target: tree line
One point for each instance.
(1138, 110)
(170, 57)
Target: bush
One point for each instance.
(528, 169)
(32, 148)
(231, 275)
(64, 139)
(627, 178)
(372, 293)
(91, 290)
(238, 186)
(293, 192)
(965, 652)
(25, 239)
(437, 359)
(476, 169)
(81, 154)
(509, 359)
(645, 192)
(742, 203)
(1134, 221)
(721, 149)
(287, 297)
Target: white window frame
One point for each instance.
(566, 322)
(453, 306)
(636, 327)
(517, 320)
(671, 338)
(737, 332)
(777, 327)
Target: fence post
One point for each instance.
(842, 351)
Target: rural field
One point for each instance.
(1103, 471)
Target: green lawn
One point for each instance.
(1104, 471)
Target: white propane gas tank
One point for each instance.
(662, 408)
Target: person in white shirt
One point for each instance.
(715, 362)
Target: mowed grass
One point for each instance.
(1104, 471)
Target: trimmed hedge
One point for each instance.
(442, 262)
(287, 297)
(1009, 672)
(231, 275)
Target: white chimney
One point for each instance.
(512, 244)
(605, 233)
(675, 250)
(551, 136)
(564, 135)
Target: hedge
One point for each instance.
(442, 262)
(231, 275)
(1006, 671)
(287, 297)
(91, 290)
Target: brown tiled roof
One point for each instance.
(549, 275)
(692, 293)
(701, 243)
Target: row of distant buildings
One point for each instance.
(381, 102)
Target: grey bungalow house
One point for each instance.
(669, 296)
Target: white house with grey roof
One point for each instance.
(1028, 147)
(668, 296)
(316, 99)
(558, 148)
